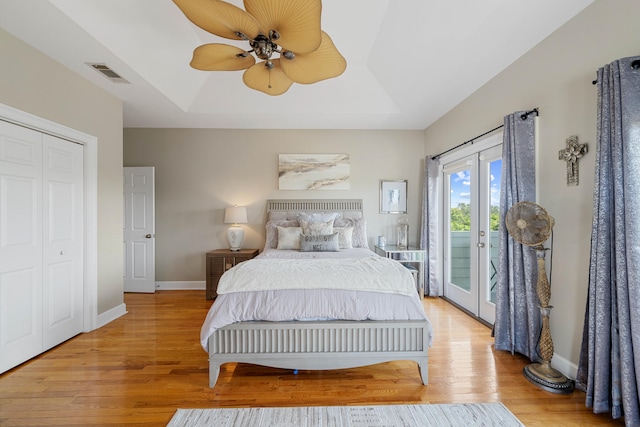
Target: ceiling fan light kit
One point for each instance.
(531, 225)
(289, 29)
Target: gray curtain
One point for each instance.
(429, 226)
(517, 323)
(609, 366)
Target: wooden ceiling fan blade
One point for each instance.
(272, 82)
(324, 63)
(220, 57)
(219, 18)
(297, 22)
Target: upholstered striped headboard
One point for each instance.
(314, 205)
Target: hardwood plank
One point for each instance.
(140, 368)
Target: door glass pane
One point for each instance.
(460, 229)
(495, 168)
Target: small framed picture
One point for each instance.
(393, 196)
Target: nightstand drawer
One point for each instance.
(222, 264)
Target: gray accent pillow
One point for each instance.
(319, 243)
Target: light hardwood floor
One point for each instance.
(138, 369)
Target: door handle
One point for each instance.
(481, 245)
(148, 236)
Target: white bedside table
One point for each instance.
(408, 256)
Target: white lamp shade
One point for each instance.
(235, 215)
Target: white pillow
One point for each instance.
(271, 241)
(319, 243)
(289, 238)
(359, 230)
(345, 237)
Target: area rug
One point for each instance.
(468, 414)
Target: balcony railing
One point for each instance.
(460, 262)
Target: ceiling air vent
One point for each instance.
(107, 72)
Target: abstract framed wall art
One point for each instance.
(313, 171)
(393, 196)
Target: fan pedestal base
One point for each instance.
(547, 378)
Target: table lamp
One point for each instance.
(235, 234)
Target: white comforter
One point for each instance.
(374, 273)
(360, 285)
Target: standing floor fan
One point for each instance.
(531, 225)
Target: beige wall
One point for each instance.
(556, 76)
(34, 83)
(201, 171)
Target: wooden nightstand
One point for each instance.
(220, 260)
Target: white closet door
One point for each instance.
(62, 281)
(41, 242)
(20, 244)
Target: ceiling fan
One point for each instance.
(288, 28)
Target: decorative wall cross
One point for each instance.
(571, 155)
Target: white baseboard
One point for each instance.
(568, 368)
(173, 286)
(111, 315)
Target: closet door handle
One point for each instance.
(148, 236)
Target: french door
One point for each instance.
(471, 218)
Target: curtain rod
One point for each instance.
(523, 116)
(635, 65)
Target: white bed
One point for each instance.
(321, 310)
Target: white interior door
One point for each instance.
(20, 244)
(470, 225)
(139, 229)
(63, 240)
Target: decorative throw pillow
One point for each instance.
(278, 216)
(359, 230)
(319, 216)
(289, 238)
(345, 237)
(272, 232)
(315, 228)
(319, 243)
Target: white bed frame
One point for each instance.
(319, 345)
